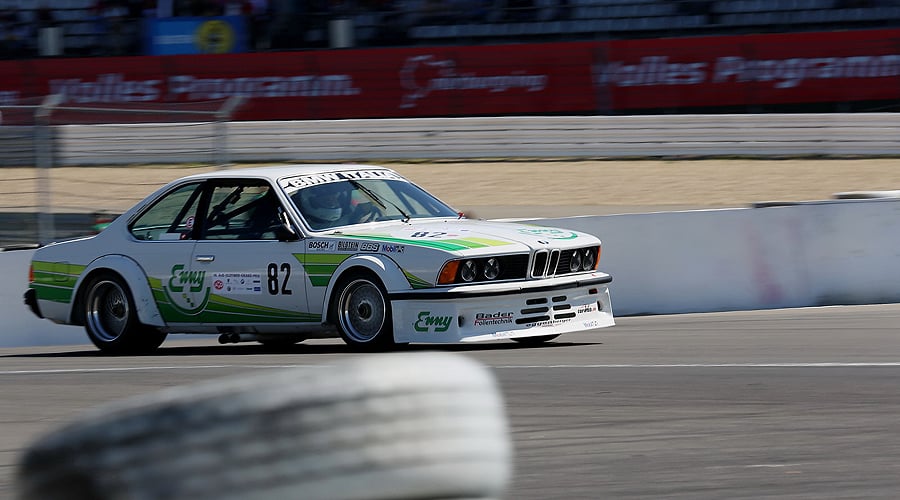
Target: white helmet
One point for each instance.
(322, 202)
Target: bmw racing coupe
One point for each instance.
(286, 253)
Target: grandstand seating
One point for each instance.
(541, 20)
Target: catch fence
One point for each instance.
(47, 194)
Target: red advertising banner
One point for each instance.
(578, 77)
(752, 70)
(409, 82)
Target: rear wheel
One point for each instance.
(536, 341)
(362, 312)
(111, 321)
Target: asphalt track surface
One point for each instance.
(799, 403)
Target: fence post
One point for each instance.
(43, 149)
(223, 116)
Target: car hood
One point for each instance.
(470, 237)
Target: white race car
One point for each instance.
(285, 253)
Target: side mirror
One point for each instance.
(285, 231)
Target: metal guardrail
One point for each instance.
(864, 134)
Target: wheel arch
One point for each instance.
(135, 278)
(386, 270)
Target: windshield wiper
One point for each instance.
(377, 199)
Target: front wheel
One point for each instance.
(363, 313)
(111, 321)
(535, 341)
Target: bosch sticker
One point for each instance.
(320, 246)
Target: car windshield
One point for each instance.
(348, 201)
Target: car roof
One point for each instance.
(276, 172)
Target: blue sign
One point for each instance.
(195, 35)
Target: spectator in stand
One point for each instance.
(258, 25)
(695, 7)
(563, 10)
(436, 12)
(290, 21)
(44, 16)
(469, 11)
(8, 38)
(116, 23)
(520, 10)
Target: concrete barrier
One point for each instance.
(777, 256)
(20, 326)
(798, 255)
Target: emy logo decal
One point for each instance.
(187, 290)
(550, 233)
(181, 278)
(426, 322)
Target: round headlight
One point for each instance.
(587, 263)
(468, 270)
(575, 261)
(492, 268)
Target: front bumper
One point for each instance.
(32, 303)
(481, 314)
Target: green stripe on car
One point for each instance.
(320, 266)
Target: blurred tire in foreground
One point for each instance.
(392, 426)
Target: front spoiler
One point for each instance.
(529, 312)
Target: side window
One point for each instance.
(242, 212)
(171, 217)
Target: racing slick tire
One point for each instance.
(536, 341)
(397, 426)
(362, 312)
(111, 320)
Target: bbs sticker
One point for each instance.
(368, 247)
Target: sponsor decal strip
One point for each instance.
(448, 245)
(440, 245)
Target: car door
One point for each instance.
(163, 243)
(250, 277)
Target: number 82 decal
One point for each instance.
(273, 281)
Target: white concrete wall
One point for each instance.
(810, 254)
(824, 253)
(18, 326)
